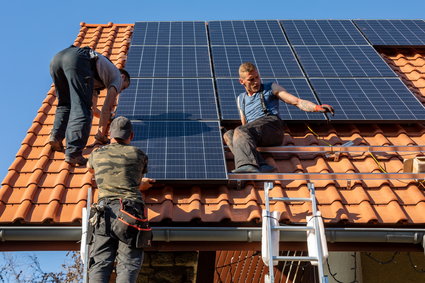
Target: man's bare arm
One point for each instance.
(96, 111)
(302, 104)
(105, 116)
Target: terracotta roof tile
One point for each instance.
(40, 188)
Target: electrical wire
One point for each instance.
(369, 255)
(414, 266)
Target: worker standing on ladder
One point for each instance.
(261, 125)
(119, 220)
(79, 74)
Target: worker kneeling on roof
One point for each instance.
(261, 125)
(119, 220)
(79, 74)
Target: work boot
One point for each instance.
(74, 161)
(55, 144)
(265, 168)
(246, 169)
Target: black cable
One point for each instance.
(334, 274)
(414, 266)
(369, 255)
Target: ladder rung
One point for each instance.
(291, 199)
(293, 228)
(295, 258)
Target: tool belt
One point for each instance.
(131, 225)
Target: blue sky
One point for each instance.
(33, 31)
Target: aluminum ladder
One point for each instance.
(316, 238)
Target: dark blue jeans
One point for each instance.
(106, 247)
(244, 140)
(71, 71)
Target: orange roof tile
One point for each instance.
(40, 188)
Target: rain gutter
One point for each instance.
(223, 234)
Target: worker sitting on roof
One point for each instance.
(261, 126)
(78, 75)
(120, 224)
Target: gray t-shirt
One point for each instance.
(108, 73)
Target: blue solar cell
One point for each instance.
(369, 99)
(229, 89)
(169, 99)
(322, 32)
(271, 61)
(181, 150)
(393, 32)
(342, 61)
(246, 33)
(169, 61)
(169, 33)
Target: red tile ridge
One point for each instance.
(82, 194)
(110, 24)
(369, 213)
(22, 211)
(50, 212)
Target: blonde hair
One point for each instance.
(247, 67)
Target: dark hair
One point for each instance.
(126, 74)
(119, 140)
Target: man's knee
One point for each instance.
(228, 137)
(240, 134)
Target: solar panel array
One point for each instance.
(172, 101)
(393, 32)
(342, 61)
(169, 99)
(185, 79)
(181, 150)
(369, 99)
(322, 32)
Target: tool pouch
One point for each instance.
(131, 226)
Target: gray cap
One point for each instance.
(121, 128)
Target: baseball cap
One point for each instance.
(121, 128)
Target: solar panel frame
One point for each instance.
(262, 32)
(342, 61)
(271, 61)
(170, 33)
(393, 32)
(169, 61)
(369, 99)
(181, 150)
(169, 99)
(322, 32)
(229, 89)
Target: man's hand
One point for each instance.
(101, 139)
(146, 183)
(324, 108)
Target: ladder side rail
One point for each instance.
(320, 263)
(267, 187)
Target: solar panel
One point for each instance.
(169, 33)
(169, 61)
(169, 99)
(271, 61)
(393, 32)
(322, 32)
(229, 89)
(181, 150)
(246, 33)
(369, 99)
(342, 61)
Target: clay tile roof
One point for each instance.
(40, 188)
